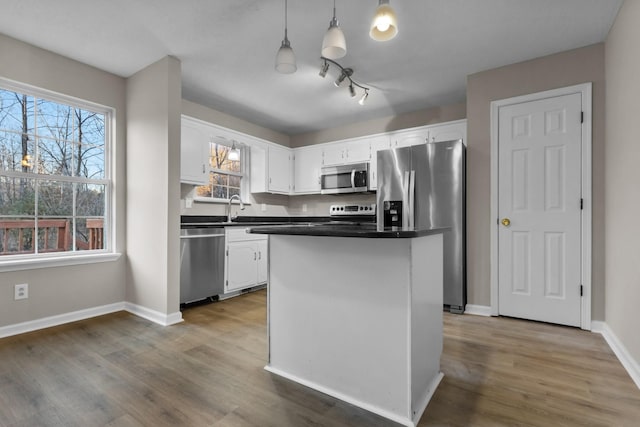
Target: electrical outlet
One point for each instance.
(21, 291)
(188, 203)
(264, 207)
(304, 207)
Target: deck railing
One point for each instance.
(18, 236)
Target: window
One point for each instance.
(225, 175)
(54, 181)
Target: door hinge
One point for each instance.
(581, 204)
(581, 116)
(581, 290)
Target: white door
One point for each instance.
(263, 261)
(279, 170)
(307, 166)
(539, 207)
(241, 265)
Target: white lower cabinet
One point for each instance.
(246, 259)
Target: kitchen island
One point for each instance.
(357, 314)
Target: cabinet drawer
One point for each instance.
(239, 234)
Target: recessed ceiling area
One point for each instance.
(228, 48)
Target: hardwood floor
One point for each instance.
(120, 370)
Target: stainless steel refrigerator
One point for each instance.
(422, 187)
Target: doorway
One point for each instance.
(541, 206)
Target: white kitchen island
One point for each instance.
(357, 314)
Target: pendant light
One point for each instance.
(234, 153)
(385, 24)
(286, 59)
(334, 45)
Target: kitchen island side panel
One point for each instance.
(340, 313)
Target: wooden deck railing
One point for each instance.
(18, 236)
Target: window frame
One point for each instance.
(71, 257)
(243, 174)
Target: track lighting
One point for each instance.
(334, 45)
(324, 69)
(345, 73)
(286, 59)
(365, 95)
(385, 24)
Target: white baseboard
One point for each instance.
(74, 316)
(478, 310)
(47, 322)
(152, 315)
(349, 399)
(628, 362)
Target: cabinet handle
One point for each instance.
(203, 170)
(259, 255)
(254, 256)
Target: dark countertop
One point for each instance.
(364, 230)
(193, 221)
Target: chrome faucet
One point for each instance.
(235, 196)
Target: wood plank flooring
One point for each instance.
(120, 370)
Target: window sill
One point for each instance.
(57, 261)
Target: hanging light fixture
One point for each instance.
(286, 59)
(385, 24)
(234, 153)
(334, 45)
(345, 74)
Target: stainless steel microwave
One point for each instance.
(345, 179)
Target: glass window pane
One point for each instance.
(54, 234)
(16, 112)
(220, 179)
(16, 235)
(89, 234)
(54, 120)
(203, 191)
(54, 157)
(234, 191)
(89, 127)
(17, 196)
(55, 198)
(219, 155)
(90, 199)
(88, 161)
(14, 156)
(219, 192)
(234, 181)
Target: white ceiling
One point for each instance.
(227, 48)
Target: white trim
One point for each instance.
(56, 261)
(153, 315)
(371, 408)
(628, 362)
(60, 319)
(585, 89)
(477, 310)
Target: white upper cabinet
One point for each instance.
(431, 133)
(306, 165)
(348, 151)
(194, 154)
(271, 169)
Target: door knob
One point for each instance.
(506, 222)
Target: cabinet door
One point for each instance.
(410, 137)
(378, 143)
(241, 265)
(333, 154)
(448, 132)
(307, 165)
(358, 151)
(194, 155)
(279, 167)
(263, 261)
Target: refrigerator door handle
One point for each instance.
(412, 199)
(405, 200)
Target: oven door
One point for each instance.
(345, 179)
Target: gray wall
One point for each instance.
(550, 72)
(622, 201)
(54, 291)
(153, 186)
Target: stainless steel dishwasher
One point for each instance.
(201, 263)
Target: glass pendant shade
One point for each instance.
(234, 153)
(286, 59)
(334, 45)
(385, 24)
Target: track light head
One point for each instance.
(364, 97)
(352, 91)
(324, 69)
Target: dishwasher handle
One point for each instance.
(201, 236)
